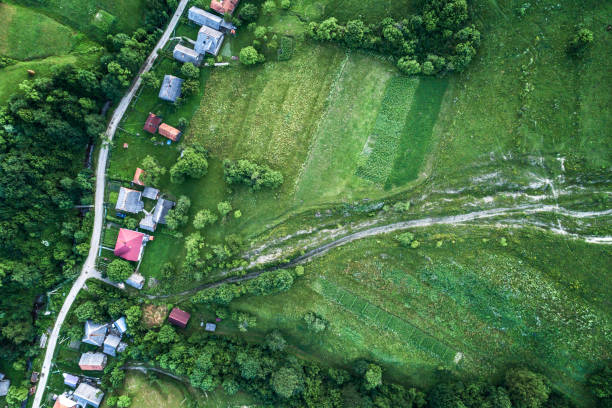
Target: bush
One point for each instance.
(224, 208)
(119, 270)
(285, 4)
(250, 56)
(178, 216)
(285, 51)
(269, 7)
(190, 71)
(249, 12)
(192, 163)
(204, 218)
(580, 42)
(251, 174)
(314, 322)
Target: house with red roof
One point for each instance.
(169, 132)
(130, 244)
(179, 317)
(152, 123)
(224, 6)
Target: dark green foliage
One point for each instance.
(192, 163)
(119, 270)
(153, 171)
(526, 389)
(438, 40)
(315, 322)
(179, 215)
(285, 51)
(6, 61)
(250, 56)
(580, 42)
(251, 174)
(286, 382)
(600, 384)
(249, 12)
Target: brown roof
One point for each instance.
(139, 172)
(152, 123)
(169, 132)
(179, 317)
(224, 6)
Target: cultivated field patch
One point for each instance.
(154, 316)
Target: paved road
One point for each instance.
(89, 270)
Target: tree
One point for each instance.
(153, 171)
(192, 163)
(250, 56)
(285, 4)
(600, 384)
(286, 382)
(112, 401)
(167, 335)
(178, 216)
(409, 66)
(580, 42)
(119, 270)
(133, 315)
(16, 395)
(190, 71)
(224, 208)
(526, 389)
(87, 311)
(124, 401)
(251, 174)
(373, 377)
(203, 218)
(275, 341)
(249, 12)
(269, 7)
(230, 386)
(150, 80)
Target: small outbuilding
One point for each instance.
(185, 54)
(88, 396)
(4, 386)
(136, 280)
(70, 380)
(169, 132)
(129, 201)
(91, 361)
(171, 88)
(110, 345)
(130, 244)
(120, 325)
(179, 317)
(94, 333)
(211, 327)
(152, 123)
(150, 193)
(137, 175)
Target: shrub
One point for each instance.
(224, 208)
(249, 12)
(285, 4)
(119, 270)
(190, 71)
(251, 174)
(203, 218)
(269, 7)
(580, 42)
(250, 56)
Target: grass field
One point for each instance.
(370, 10)
(157, 391)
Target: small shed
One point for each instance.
(87, 395)
(110, 345)
(152, 123)
(91, 361)
(121, 325)
(171, 88)
(211, 327)
(4, 387)
(169, 132)
(185, 54)
(70, 380)
(179, 317)
(150, 193)
(139, 172)
(94, 333)
(136, 280)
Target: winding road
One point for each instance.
(89, 267)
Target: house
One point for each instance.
(94, 333)
(91, 361)
(139, 172)
(88, 396)
(130, 244)
(70, 380)
(64, 401)
(121, 325)
(152, 123)
(110, 345)
(185, 54)
(135, 280)
(224, 6)
(129, 201)
(169, 132)
(211, 327)
(204, 18)
(150, 193)
(4, 386)
(179, 317)
(209, 41)
(157, 216)
(171, 88)
(34, 377)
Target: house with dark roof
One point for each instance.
(137, 175)
(110, 344)
(157, 216)
(136, 280)
(185, 54)
(204, 18)
(171, 88)
(129, 201)
(130, 244)
(70, 380)
(88, 396)
(120, 325)
(150, 193)
(4, 386)
(179, 317)
(94, 333)
(169, 132)
(91, 361)
(209, 41)
(152, 123)
(224, 6)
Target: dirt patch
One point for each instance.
(154, 316)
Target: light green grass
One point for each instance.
(370, 10)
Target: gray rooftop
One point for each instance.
(112, 341)
(150, 193)
(4, 387)
(135, 280)
(185, 54)
(209, 41)
(161, 210)
(70, 380)
(147, 223)
(171, 88)
(121, 325)
(129, 201)
(89, 394)
(94, 333)
(92, 359)
(202, 17)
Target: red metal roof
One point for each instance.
(139, 172)
(129, 244)
(152, 123)
(179, 317)
(224, 6)
(169, 132)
